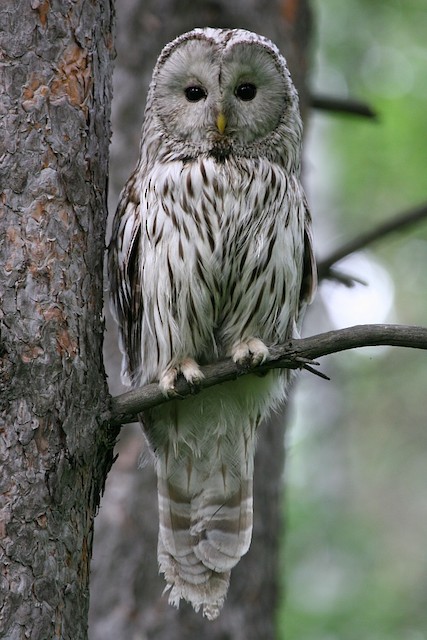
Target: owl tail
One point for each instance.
(205, 528)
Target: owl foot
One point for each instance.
(249, 353)
(188, 368)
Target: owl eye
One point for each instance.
(246, 91)
(195, 93)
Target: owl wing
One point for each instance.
(309, 274)
(124, 267)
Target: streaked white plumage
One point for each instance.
(211, 257)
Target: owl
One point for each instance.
(211, 258)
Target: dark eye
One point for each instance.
(246, 91)
(194, 94)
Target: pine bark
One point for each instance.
(54, 454)
(126, 594)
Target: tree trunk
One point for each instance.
(126, 595)
(54, 135)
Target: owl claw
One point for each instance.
(250, 353)
(188, 368)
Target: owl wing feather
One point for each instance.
(124, 264)
(309, 273)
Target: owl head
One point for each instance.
(223, 92)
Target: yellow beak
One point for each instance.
(221, 122)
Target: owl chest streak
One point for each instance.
(219, 254)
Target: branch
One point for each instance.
(342, 105)
(294, 354)
(397, 223)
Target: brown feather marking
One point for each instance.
(189, 184)
(185, 230)
(273, 281)
(273, 178)
(253, 312)
(204, 174)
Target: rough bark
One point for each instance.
(126, 595)
(54, 455)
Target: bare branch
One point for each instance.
(294, 354)
(349, 106)
(397, 223)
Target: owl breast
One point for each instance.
(222, 257)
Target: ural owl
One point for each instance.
(210, 258)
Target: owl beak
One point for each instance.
(221, 122)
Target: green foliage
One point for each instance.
(340, 588)
(355, 559)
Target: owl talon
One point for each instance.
(167, 385)
(250, 353)
(171, 393)
(189, 369)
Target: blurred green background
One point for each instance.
(355, 553)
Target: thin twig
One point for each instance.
(293, 354)
(349, 106)
(397, 223)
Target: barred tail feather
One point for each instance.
(223, 526)
(205, 528)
